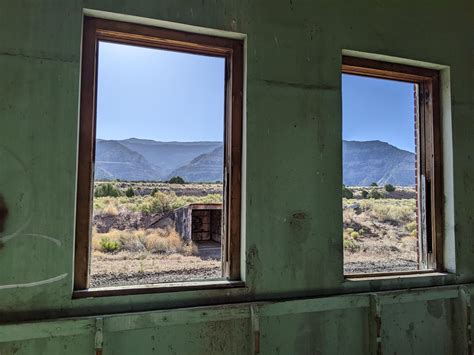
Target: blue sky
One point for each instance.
(170, 96)
(157, 94)
(378, 109)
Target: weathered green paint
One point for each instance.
(293, 169)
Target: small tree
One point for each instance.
(129, 192)
(176, 180)
(375, 194)
(374, 184)
(365, 193)
(389, 188)
(346, 193)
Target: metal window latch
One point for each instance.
(3, 213)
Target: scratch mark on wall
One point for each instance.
(17, 232)
(299, 85)
(35, 283)
(36, 57)
(54, 240)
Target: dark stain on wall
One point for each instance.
(3, 213)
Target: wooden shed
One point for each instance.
(200, 222)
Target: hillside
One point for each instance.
(206, 167)
(168, 156)
(137, 159)
(376, 161)
(115, 161)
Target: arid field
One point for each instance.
(125, 251)
(380, 233)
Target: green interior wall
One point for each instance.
(293, 244)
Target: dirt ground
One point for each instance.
(135, 268)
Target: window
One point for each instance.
(392, 189)
(160, 143)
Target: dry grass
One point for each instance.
(160, 241)
(110, 210)
(159, 202)
(379, 229)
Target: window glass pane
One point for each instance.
(380, 216)
(157, 208)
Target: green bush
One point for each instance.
(160, 202)
(346, 193)
(365, 193)
(355, 235)
(350, 245)
(374, 184)
(389, 188)
(129, 192)
(106, 190)
(375, 194)
(176, 180)
(411, 226)
(108, 246)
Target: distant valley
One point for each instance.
(147, 160)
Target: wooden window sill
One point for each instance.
(156, 288)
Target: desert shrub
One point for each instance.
(109, 246)
(160, 202)
(374, 184)
(190, 249)
(364, 193)
(355, 235)
(132, 240)
(393, 213)
(350, 245)
(347, 193)
(104, 190)
(110, 210)
(389, 188)
(129, 192)
(411, 226)
(164, 241)
(375, 194)
(186, 200)
(176, 180)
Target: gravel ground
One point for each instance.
(137, 268)
(142, 278)
(379, 266)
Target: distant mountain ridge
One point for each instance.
(147, 160)
(375, 161)
(139, 159)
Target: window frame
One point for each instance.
(429, 155)
(95, 30)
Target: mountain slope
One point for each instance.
(376, 161)
(115, 161)
(137, 159)
(168, 156)
(206, 167)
